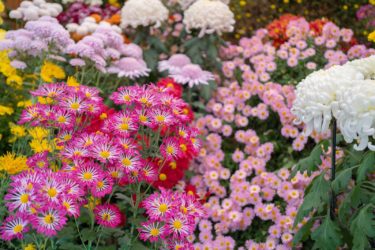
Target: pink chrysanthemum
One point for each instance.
(152, 231)
(170, 149)
(102, 187)
(88, 174)
(129, 67)
(14, 227)
(19, 198)
(174, 63)
(49, 220)
(108, 215)
(192, 75)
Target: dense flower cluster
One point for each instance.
(35, 40)
(105, 49)
(88, 26)
(32, 10)
(137, 13)
(96, 148)
(209, 17)
(172, 215)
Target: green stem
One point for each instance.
(333, 170)
(79, 233)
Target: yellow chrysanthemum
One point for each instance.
(29, 247)
(72, 81)
(38, 133)
(12, 164)
(114, 3)
(17, 130)
(39, 146)
(372, 2)
(24, 104)
(4, 110)
(45, 100)
(371, 36)
(51, 71)
(14, 80)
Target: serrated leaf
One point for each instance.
(367, 165)
(157, 44)
(88, 234)
(327, 236)
(316, 197)
(304, 232)
(342, 180)
(363, 227)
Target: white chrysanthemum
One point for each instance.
(186, 3)
(356, 115)
(316, 96)
(365, 65)
(89, 2)
(32, 10)
(143, 13)
(89, 26)
(209, 17)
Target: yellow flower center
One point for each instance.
(66, 205)
(49, 219)
(173, 165)
(126, 162)
(24, 198)
(177, 224)
(143, 100)
(154, 232)
(162, 177)
(75, 105)
(100, 184)
(61, 119)
(183, 147)
(143, 118)
(87, 176)
(160, 118)
(170, 150)
(163, 208)
(127, 98)
(106, 217)
(40, 164)
(17, 229)
(52, 192)
(124, 126)
(105, 154)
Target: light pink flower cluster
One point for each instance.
(171, 214)
(245, 161)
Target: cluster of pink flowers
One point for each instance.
(303, 52)
(241, 164)
(96, 148)
(106, 50)
(171, 214)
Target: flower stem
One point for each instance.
(333, 169)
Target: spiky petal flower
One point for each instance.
(108, 215)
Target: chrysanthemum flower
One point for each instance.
(174, 63)
(152, 231)
(192, 75)
(89, 173)
(129, 67)
(49, 220)
(179, 226)
(157, 206)
(14, 227)
(102, 187)
(19, 198)
(170, 149)
(107, 215)
(105, 151)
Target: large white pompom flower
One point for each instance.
(356, 115)
(316, 96)
(143, 13)
(209, 16)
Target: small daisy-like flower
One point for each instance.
(129, 162)
(158, 206)
(161, 117)
(14, 227)
(123, 123)
(152, 231)
(170, 149)
(75, 104)
(105, 150)
(71, 206)
(64, 119)
(19, 198)
(102, 187)
(89, 173)
(49, 220)
(108, 215)
(52, 190)
(149, 173)
(51, 90)
(124, 95)
(180, 227)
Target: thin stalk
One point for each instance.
(333, 169)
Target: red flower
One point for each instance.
(170, 86)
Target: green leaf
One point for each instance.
(342, 180)
(327, 236)
(304, 232)
(367, 165)
(157, 44)
(363, 227)
(316, 197)
(88, 234)
(151, 58)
